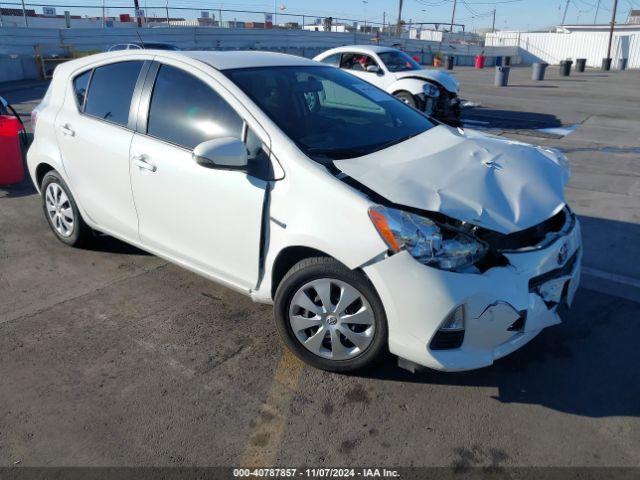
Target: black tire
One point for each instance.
(407, 98)
(81, 233)
(322, 268)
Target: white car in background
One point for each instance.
(366, 225)
(433, 91)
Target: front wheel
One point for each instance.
(407, 98)
(330, 316)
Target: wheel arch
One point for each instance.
(287, 258)
(41, 170)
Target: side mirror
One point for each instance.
(374, 69)
(224, 153)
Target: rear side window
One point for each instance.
(185, 111)
(80, 84)
(111, 90)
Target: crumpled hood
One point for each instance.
(445, 79)
(499, 184)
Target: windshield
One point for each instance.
(328, 113)
(397, 61)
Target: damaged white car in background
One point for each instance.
(432, 91)
(365, 224)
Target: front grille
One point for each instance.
(537, 236)
(447, 340)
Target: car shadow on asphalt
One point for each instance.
(585, 366)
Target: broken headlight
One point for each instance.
(430, 243)
(430, 90)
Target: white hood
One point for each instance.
(445, 79)
(499, 184)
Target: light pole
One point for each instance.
(453, 15)
(613, 22)
(364, 2)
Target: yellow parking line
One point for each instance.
(264, 443)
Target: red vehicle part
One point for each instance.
(11, 164)
(479, 61)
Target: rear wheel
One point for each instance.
(61, 211)
(330, 316)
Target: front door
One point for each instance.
(208, 219)
(357, 64)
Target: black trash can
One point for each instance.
(622, 63)
(580, 64)
(565, 68)
(501, 78)
(606, 64)
(538, 71)
(449, 63)
(507, 61)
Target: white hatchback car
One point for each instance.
(367, 226)
(432, 91)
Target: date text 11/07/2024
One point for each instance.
(315, 472)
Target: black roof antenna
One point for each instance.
(140, 37)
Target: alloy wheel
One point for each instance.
(59, 209)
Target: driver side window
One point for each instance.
(186, 111)
(357, 61)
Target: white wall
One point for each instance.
(554, 47)
(19, 42)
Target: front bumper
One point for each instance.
(417, 299)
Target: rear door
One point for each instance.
(209, 219)
(94, 134)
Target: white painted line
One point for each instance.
(612, 277)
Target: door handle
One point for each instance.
(67, 130)
(141, 163)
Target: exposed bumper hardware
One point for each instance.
(504, 307)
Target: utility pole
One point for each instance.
(24, 14)
(595, 18)
(564, 16)
(399, 26)
(493, 24)
(136, 6)
(453, 15)
(384, 19)
(613, 22)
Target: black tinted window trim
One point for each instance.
(73, 88)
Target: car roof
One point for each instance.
(362, 49)
(246, 59)
(220, 60)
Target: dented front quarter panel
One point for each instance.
(499, 184)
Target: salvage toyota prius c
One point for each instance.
(367, 225)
